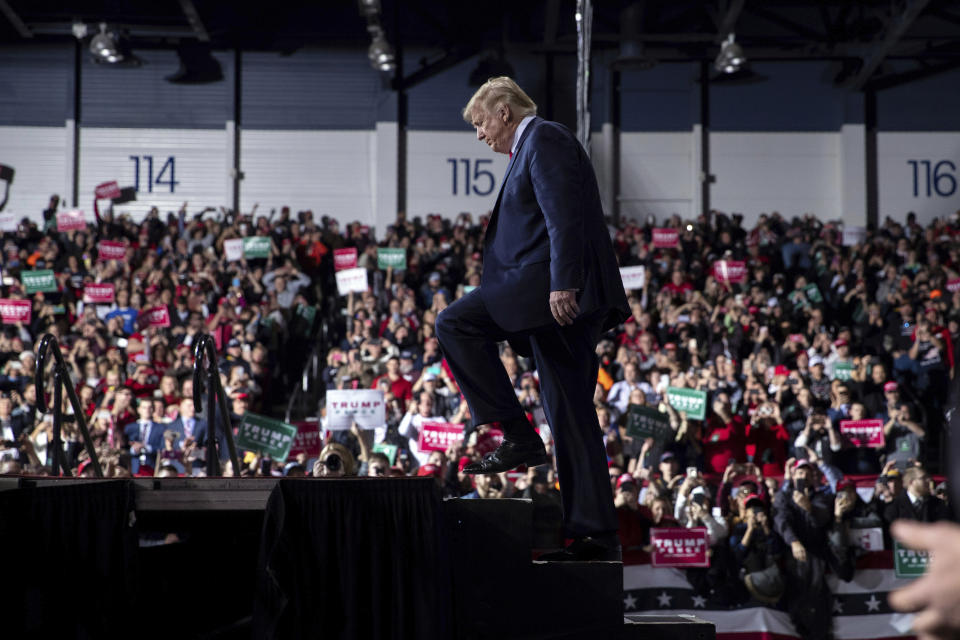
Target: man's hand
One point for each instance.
(799, 551)
(936, 596)
(563, 306)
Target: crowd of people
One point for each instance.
(818, 332)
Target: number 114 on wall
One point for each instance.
(166, 177)
(931, 179)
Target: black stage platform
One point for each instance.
(306, 558)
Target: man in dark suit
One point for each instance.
(915, 502)
(550, 286)
(144, 435)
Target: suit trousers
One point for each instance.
(567, 364)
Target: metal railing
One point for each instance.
(209, 380)
(61, 379)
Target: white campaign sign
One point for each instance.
(8, 222)
(233, 249)
(633, 277)
(352, 280)
(363, 406)
(853, 236)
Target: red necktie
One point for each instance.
(511, 155)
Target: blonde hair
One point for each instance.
(500, 91)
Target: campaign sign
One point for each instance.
(307, 440)
(107, 190)
(666, 238)
(363, 406)
(843, 371)
(233, 249)
(352, 280)
(731, 271)
(111, 250)
(266, 435)
(98, 293)
(863, 433)
(438, 436)
(952, 285)
(690, 400)
(8, 222)
(14, 311)
(853, 236)
(908, 563)
(389, 450)
(646, 422)
(40, 280)
(868, 539)
(633, 277)
(71, 220)
(396, 258)
(344, 258)
(158, 316)
(679, 547)
(256, 247)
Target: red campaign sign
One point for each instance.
(71, 220)
(679, 547)
(14, 311)
(307, 440)
(98, 293)
(489, 441)
(953, 285)
(666, 238)
(158, 316)
(864, 433)
(438, 436)
(111, 250)
(732, 271)
(344, 258)
(107, 190)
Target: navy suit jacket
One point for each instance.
(154, 440)
(547, 233)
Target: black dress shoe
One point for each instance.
(510, 455)
(604, 548)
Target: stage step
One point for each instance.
(501, 593)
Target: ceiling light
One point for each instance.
(105, 47)
(731, 57)
(381, 53)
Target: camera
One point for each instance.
(333, 462)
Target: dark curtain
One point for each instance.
(353, 558)
(70, 560)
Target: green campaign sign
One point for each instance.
(908, 563)
(389, 450)
(42, 280)
(396, 258)
(690, 400)
(256, 247)
(813, 293)
(646, 422)
(266, 435)
(843, 371)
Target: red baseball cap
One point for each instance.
(890, 386)
(429, 470)
(781, 370)
(626, 478)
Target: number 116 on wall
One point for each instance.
(930, 179)
(165, 178)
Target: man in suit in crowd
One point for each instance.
(144, 435)
(188, 425)
(550, 286)
(916, 502)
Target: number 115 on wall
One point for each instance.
(482, 177)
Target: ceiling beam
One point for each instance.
(897, 26)
(15, 20)
(786, 23)
(193, 17)
(895, 80)
(428, 70)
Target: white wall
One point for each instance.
(198, 167)
(903, 186)
(793, 173)
(655, 174)
(327, 172)
(39, 156)
(434, 187)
